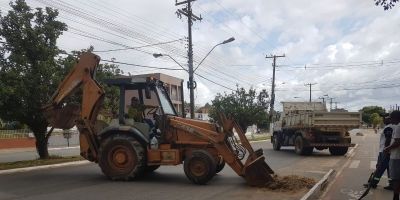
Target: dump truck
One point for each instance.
(126, 149)
(308, 125)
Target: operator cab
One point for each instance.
(143, 104)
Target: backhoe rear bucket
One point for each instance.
(63, 118)
(257, 172)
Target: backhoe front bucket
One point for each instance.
(257, 172)
(63, 118)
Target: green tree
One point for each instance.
(246, 107)
(376, 119)
(386, 4)
(367, 111)
(28, 60)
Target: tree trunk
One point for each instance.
(42, 140)
(243, 127)
(42, 147)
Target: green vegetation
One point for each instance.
(246, 107)
(376, 120)
(30, 69)
(32, 66)
(367, 111)
(386, 4)
(30, 163)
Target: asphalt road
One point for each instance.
(355, 172)
(168, 182)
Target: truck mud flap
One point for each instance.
(331, 145)
(258, 172)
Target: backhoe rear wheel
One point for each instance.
(122, 157)
(301, 148)
(200, 167)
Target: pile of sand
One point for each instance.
(290, 183)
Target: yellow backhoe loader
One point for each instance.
(126, 149)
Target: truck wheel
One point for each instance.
(276, 145)
(300, 148)
(121, 157)
(199, 167)
(220, 166)
(338, 151)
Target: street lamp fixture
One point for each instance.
(157, 55)
(224, 42)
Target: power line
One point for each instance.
(138, 47)
(214, 82)
(144, 66)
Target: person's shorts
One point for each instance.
(394, 167)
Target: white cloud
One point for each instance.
(306, 31)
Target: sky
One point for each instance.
(349, 49)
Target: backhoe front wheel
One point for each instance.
(121, 157)
(200, 167)
(220, 165)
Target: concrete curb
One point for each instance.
(260, 141)
(350, 152)
(27, 169)
(319, 187)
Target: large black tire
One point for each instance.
(122, 157)
(338, 151)
(200, 167)
(300, 148)
(276, 145)
(220, 166)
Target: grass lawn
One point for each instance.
(38, 162)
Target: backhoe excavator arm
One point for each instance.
(66, 116)
(255, 170)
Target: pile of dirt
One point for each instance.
(290, 183)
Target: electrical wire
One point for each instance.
(144, 66)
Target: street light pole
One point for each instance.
(156, 55)
(191, 71)
(224, 42)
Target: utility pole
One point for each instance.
(336, 104)
(187, 11)
(271, 108)
(323, 99)
(310, 84)
(331, 98)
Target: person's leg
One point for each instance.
(385, 163)
(396, 189)
(395, 174)
(381, 167)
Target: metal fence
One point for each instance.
(15, 134)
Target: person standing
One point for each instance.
(383, 159)
(394, 150)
